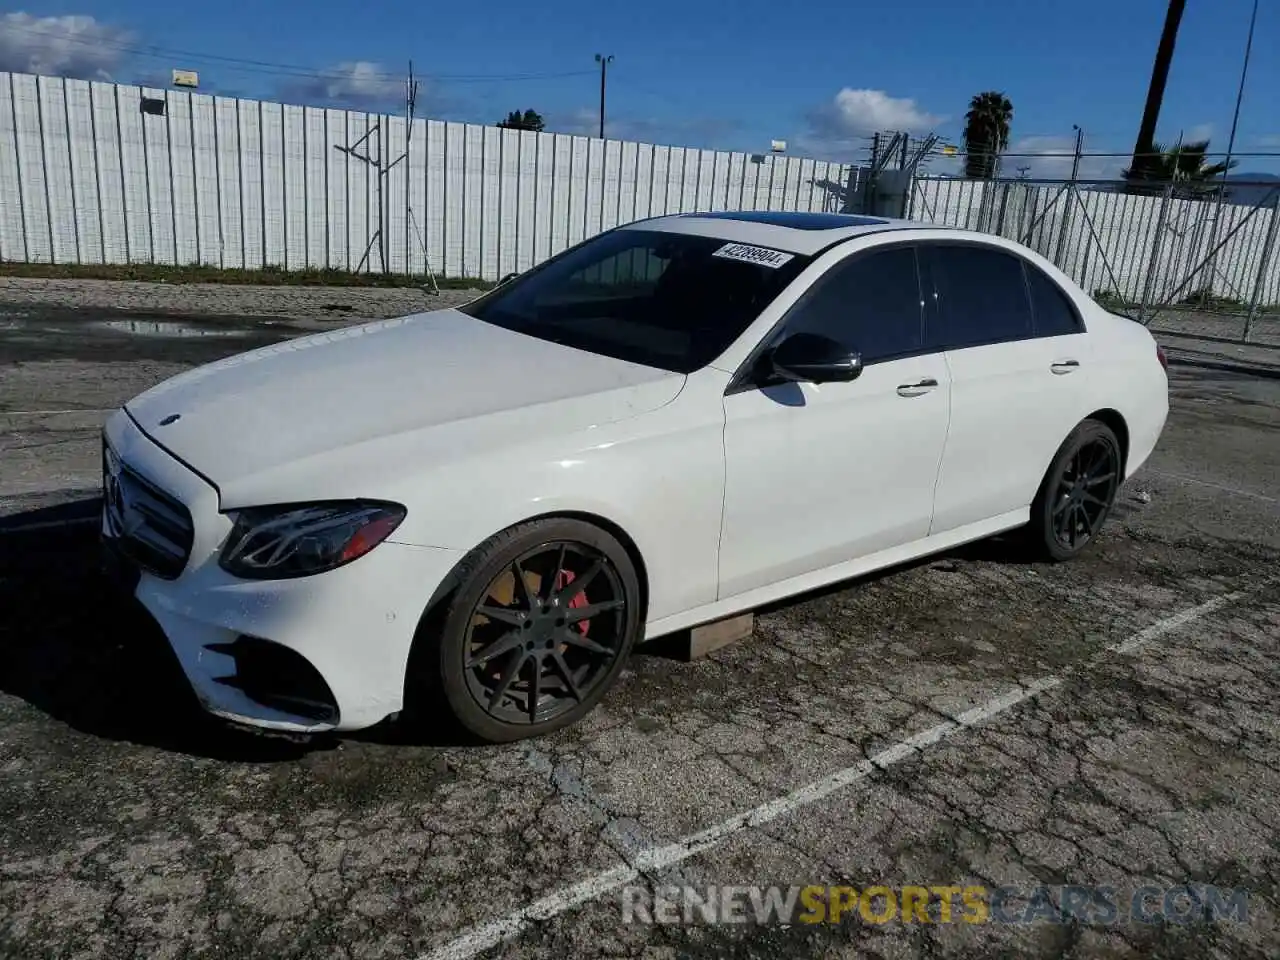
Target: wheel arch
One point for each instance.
(450, 583)
(1113, 420)
(1117, 424)
(617, 531)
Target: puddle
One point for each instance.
(168, 329)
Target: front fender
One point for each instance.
(658, 477)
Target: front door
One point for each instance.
(817, 474)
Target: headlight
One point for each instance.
(297, 540)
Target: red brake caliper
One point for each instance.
(563, 579)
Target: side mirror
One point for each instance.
(813, 358)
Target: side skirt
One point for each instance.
(847, 570)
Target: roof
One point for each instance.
(794, 232)
(795, 219)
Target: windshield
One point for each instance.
(668, 300)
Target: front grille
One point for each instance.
(149, 526)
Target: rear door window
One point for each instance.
(980, 294)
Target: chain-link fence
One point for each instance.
(1195, 264)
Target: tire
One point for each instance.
(549, 627)
(1076, 494)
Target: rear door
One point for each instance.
(1019, 364)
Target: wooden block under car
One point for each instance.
(707, 637)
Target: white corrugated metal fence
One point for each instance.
(88, 176)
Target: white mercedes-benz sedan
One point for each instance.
(484, 509)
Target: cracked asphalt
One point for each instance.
(132, 826)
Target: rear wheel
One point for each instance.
(538, 630)
(1076, 494)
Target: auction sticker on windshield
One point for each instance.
(749, 254)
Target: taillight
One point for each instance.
(1164, 361)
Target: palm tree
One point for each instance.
(986, 133)
(1186, 167)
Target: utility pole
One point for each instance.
(1144, 147)
(410, 95)
(1068, 198)
(604, 62)
(1231, 145)
(1244, 72)
(382, 169)
(410, 107)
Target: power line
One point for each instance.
(1068, 154)
(1244, 72)
(284, 69)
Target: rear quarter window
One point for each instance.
(1055, 315)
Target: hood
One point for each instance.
(272, 408)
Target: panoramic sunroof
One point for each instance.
(794, 220)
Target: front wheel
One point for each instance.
(538, 630)
(1077, 492)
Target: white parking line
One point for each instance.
(627, 837)
(49, 413)
(1161, 627)
(489, 935)
(1216, 486)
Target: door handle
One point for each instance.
(1064, 366)
(919, 388)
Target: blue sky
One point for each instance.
(727, 75)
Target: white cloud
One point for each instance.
(840, 127)
(1201, 131)
(704, 132)
(1270, 140)
(1051, 158)
(68, 46)
(359, 84)
(1040, 158)
(583, 122)
(373, 87)
(866, 111)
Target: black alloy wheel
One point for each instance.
(1077, 492)
(539, 629)
(531, 654)
(1086, 489)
